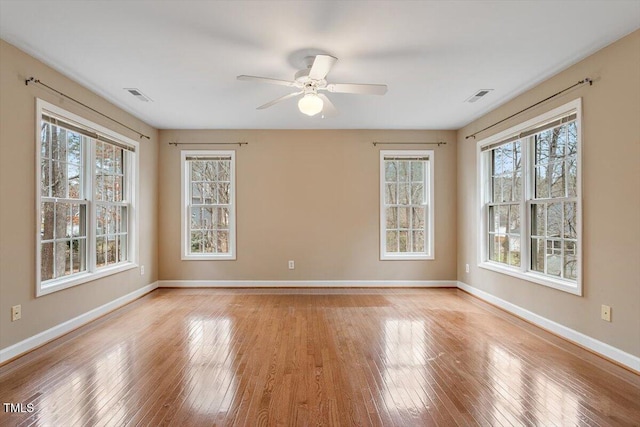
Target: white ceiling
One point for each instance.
(433, 55)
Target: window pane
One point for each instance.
(495, 244)
(73, 176)
(117, 188)
(390, 194)
(554, 257)
(59, 143)
(496, 195)
(503, 212)
(47, 221)
(45, 178)
(111, 249)
(392, 217)
(59, 179)
(101, 251)
(538, 219)
(537, 255)
(570, 226)
(196, 241)
(570, 260)
(418, 241)
(403, 193)
(208, 242)
(222, 242)
(514, 219)
(517, 187)
(224, 170)
(390, 171)
(542, 144)
(46, 261)
(123, 248)
(554, 219)
(403, 218)
(404, 174)
(403, 241)
(418, 218)
(417, 171)
(74, 149)
(507, 188)
(417, 194)
(542, 182)
(392, 241)
(63, 221)
(497, 161)
(61, 258)
(557, 179)
(101, 220)
(514, 250)
(572, 138)
(224, 193)
(572, 177)
(196, 217)
(494, 220)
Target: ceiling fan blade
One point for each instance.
(321, 66)
(328, 109)
(268, 80)
(275, 101)
(361, 89)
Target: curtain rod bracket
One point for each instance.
(34, 80)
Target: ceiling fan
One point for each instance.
(310, 81)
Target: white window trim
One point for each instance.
(93, 273)
(525, 215)
(184, 218)
(430, 212)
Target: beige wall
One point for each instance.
(611, 199)
(309, 196)
(17, 212)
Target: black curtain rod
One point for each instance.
(581, 82)
(34, 80)
(438, 143)
(241, 143)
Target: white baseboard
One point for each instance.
(307, 284)
(68, 326)
(572, 335)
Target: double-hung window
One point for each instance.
(86, 186)
(208, 205)
(406, 204)
(530, 193)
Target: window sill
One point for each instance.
(225, 257)
(65, 283)
(407, 257)
(562, 285)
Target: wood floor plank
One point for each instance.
(300, 357)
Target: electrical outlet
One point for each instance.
(142, 270)
(605, 313)
(467, 268)
(292, 265)
(16, 312)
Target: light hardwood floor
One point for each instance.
(401, 357)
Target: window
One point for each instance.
(406, 205)
(530, 193)
(208, 213)
(85, 200)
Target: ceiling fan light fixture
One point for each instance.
(310, 104)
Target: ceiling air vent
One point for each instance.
(479, 94)
(136, 92)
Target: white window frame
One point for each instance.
(132, 167)
(429, 211)
(523, 271)
(184, 217)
